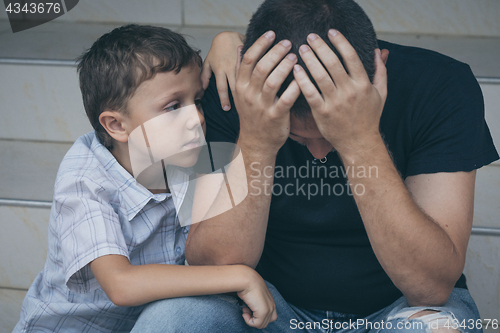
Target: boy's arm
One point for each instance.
(131, 285)
(222, 59)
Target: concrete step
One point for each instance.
(10, 308)
(23, 245)
(444, 17)
(28, 168)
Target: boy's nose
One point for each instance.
(196, 118)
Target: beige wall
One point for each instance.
(445, 17)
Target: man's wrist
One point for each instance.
(256, 151)
(354, 153)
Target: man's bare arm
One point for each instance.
(419, 229)
(237, 236)
(420, 244)
(229, 235)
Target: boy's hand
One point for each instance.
(222, 59)
(261, 309)
(265, 118)
(348, 110)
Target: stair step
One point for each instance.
(28, 169)
(10, 308)
(23, 245)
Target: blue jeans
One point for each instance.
(220, 313)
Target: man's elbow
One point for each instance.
(216, 257)
(432, 295)
(234, 259)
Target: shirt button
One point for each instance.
(178, 250)
(185, 230)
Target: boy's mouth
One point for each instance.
(195, 143)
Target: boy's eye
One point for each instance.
(173, 107)
(198, 104)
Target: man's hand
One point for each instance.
(264, 118)
(237, 236)
(418, 229)
(348, 110)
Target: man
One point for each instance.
(360, 178)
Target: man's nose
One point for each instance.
(319, 148)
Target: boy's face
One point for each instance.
(165, 120)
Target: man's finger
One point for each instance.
(312, 95)
(349, 55)
(268, 62)
(287, 99)
(380, 77)
(253, 54)
(277, 77)
(319, 73)
(328, 58)
(206, 73)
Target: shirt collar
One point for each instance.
(134, 196)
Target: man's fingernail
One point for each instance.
(285, 43)
(378, 52)
(226, 108)
(312, 37)
(269, 34)
(304, 49)
(296, 68)
(292, 57)
(333, 32)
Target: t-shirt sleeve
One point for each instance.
(449, 131)
(88, 227)
(222, 126)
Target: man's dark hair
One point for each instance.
(295, 19)
(117, 63)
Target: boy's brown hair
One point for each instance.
(118, 62)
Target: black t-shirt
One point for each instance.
(317, 252)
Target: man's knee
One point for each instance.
(459, 314)
(189, 314)
(201, 306)
(423, 320)
(438, 322)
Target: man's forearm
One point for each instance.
(416, 253)
(237, 235)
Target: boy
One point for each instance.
(115, 245)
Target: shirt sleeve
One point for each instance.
(449, 131)
(88, 228)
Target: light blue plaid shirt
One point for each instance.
(98, 209)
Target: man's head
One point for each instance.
(112, 70)
(294, 20)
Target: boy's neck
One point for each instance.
(121, 153)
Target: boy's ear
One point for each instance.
(112, 121)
